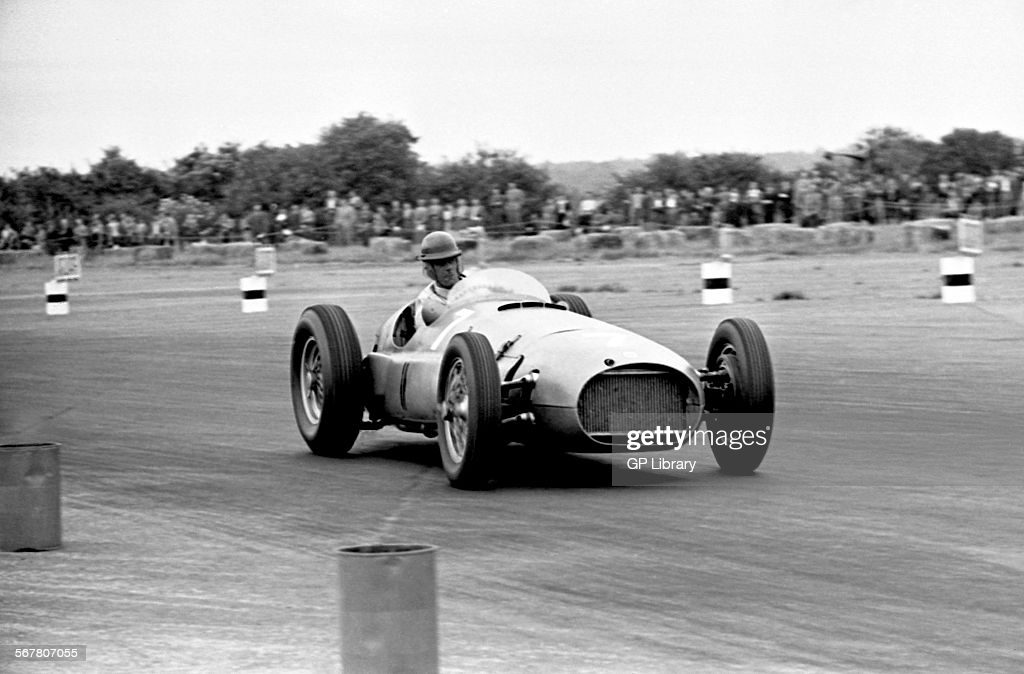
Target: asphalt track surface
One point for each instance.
(883, 532)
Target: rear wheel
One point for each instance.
(575, 303)
(327, 381)
(469, 411)
(739, 395)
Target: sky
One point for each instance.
(553, 80)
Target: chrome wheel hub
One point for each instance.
(311, 381)
(455, 411)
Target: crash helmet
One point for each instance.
(439, 246)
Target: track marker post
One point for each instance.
(56, 298)
(66, 267)
(254, 294)
(716, 278)
(958, 272)
(957, 279)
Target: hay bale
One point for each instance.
(730, 238)
(490, 249)
(467, 243)
(302, 246)
(537, 246)
(779, 236)
(390, 246)
(940, 227)
(764, 237)
(1013, 224)
(202, 249)
(889, 238)
(913, 235)
(630, 235)
(22, 256)
(791, 235)
(647, 241)
(673, 239)
(559, 234)
(867, 234)
(922, 233)
(151, 253)
(662, 239)
(844, 234)
(698, 233)
(239, 250)
(120, 256)
(600, 241)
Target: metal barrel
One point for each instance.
(29, 497)
(388, 608)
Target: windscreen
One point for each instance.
(488, 284)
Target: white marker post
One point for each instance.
(717, 282)
(57, 298)
(254, 294)
(265, 260)
(957, 279)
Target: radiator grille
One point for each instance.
(636, 397)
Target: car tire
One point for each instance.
(738, 347)
(575, 303)
(327, 380)
(469, 411)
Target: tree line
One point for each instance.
(376, 160)
(887, 152)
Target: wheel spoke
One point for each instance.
(456, 411)
(312, 381)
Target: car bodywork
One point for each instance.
(508, 361)
(568, 377)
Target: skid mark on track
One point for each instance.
(410, 497)
(1003, 556)
(210, 527)
(995, 314)
(23, 430)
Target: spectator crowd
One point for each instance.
(813, 199)
(809, 200)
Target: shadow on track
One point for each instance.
(525, 467)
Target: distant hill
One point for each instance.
(590, 176)
(598, 176)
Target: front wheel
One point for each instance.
(739, 395)
(469, 411)
(574, 303)
(326, 377)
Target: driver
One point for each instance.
(442, 265)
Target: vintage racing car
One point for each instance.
(509, 362)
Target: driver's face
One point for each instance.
(446, 272)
